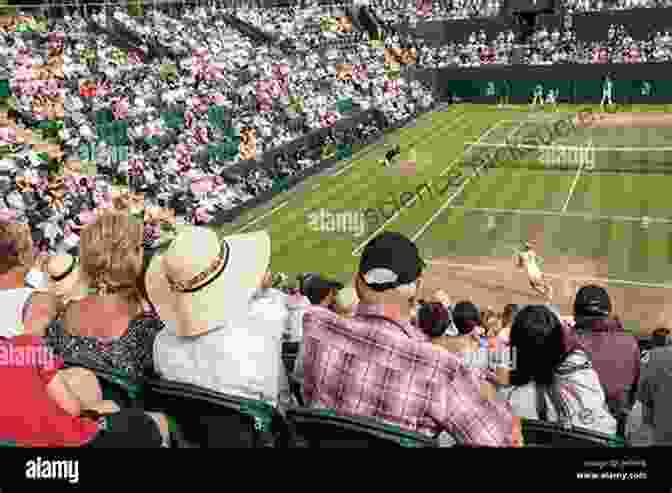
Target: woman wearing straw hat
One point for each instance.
(216, 337)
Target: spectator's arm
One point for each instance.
(462, 411)
(48, 371)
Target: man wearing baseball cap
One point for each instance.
(376, 364)
(614, 353)
(321, 291)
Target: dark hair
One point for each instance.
(661, 336)
(433, 319)
(541, 344)
(466, 316)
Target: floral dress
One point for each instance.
(131, 353)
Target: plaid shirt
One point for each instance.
(370, 365)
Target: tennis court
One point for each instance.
(605, 220)
(588, 223)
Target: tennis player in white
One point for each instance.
(607, 92)
(528, 260)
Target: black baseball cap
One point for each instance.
(390, 260)
(592, 301)
(316, 288)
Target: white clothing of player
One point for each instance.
(607, 93)
(528, 261)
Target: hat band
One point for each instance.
(216, 268)
(67, 272)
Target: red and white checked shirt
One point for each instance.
(372, 366)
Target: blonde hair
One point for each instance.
(490, 321)
(16, 246)
(111, 254)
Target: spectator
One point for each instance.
(653, 392)
(508, 315)
(467, 318)
(434, 319)
(553, 379)
(48, 405)
(24, 311)
(661, 337)
(321, 291)
(107, 326)
(491, 322)
(615, 354)
(216, 335)
(441, 394)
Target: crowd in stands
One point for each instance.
(411, 12)
(576, 6)
(173, 114)
(209, 312)
(547, 47)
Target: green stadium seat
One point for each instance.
(117, 386)
(5, 90)
(174, 119)
(321, 428)
(103, 117)
(87, 151)
(207, 419)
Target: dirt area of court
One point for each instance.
(624, 120)
(494, 281)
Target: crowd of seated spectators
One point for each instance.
(547, 47)
(267, 98)
(575, 6)
(411, 12)
(209, 312)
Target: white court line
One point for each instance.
(572, 148)
(541, 212)
(447, 203)
(356, 251)
(262, 216)
(571, 189)
(555, 276)
(338, 173)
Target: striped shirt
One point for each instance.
(370, 365)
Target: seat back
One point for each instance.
(290, 351)
(117, 386)
(209, 419)
(322, 428)
(543, 434)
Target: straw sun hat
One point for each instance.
(201, 280)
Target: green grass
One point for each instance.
(525, 200)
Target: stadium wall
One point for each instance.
(642, 83)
